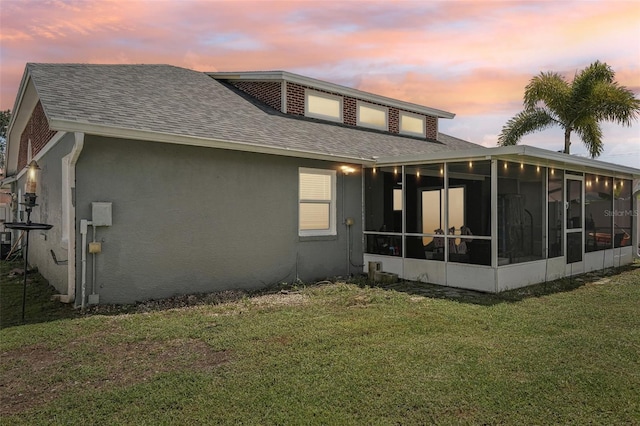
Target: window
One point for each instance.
(317, 205)
(397, 200)
(323, 105)
(373, 116)
(412, 124)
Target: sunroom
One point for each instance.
(497, 219)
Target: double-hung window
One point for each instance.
(317, 202)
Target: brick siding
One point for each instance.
(269, 92)
(349, 112)
(295, 99)
(431, 125)
(394, 120)
(295, 106)
(37, 130)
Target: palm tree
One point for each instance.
(593, 96)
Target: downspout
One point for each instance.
(71, 218)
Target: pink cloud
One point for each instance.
(467, 57)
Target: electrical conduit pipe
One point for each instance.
(84, 224)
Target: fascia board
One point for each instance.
(16, 105)
(523, 152)
(329, 87)
(25, 102)
(436, 156)
(117, 132)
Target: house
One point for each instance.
(160, 180)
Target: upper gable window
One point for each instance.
(412, 124)
(323, 105)
(373, 116)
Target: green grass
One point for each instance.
(340, 353)
(39, 306)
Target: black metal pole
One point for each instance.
(26, 265)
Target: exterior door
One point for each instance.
(574, 196)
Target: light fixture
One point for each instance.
(521, 166)
(470, 164)
(395, 170)
(553, 172)
(505, 165)
(374, 170)
(538, 169)
(347, 170)
(597, 179)
(32, 184)
(418, 173)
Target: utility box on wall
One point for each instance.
(101, 214)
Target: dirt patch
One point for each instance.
(280, 299)
(35, 375)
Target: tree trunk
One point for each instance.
(567, 140)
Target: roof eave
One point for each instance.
(330, 87)
(144, 135)
(514, 152)
(26, 75)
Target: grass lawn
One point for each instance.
(567, 352)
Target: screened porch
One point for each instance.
(494, 219)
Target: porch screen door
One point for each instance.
(575, 219)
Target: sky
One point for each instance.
(471, 58)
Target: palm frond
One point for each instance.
(549, 88)
(615, 103)
(591, 134)
(525, 122)
(596, 72)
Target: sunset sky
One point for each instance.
(472, 58)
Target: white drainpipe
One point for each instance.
(71, 218)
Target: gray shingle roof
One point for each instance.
(178, 101)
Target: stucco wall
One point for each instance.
(191, 219)
(49, 210)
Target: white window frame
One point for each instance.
(328, 96)
(331, 203)
(360, 104)
(416, 116)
